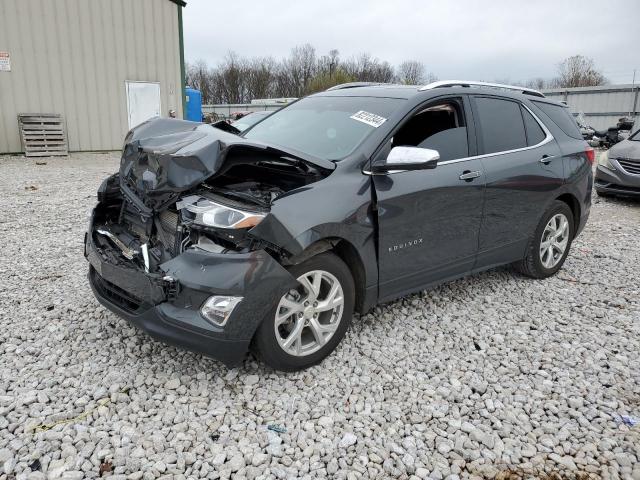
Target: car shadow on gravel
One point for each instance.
(621, 200)
(526, 474)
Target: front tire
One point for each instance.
(308, 322)
(550, 244)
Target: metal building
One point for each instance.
(602, 106)
(104, 65)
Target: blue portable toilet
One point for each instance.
(194, 104)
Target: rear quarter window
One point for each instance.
(535, 134)
(561, 117)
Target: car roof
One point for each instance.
(390, 90)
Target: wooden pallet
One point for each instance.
(42, 134)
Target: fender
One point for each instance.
(349, 217)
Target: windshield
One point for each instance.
(325, 127)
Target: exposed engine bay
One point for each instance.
(155, 208)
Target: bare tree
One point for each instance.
(199, 77)
(230, 77)
(260, 76)
(382, 72)
(579, 71)
(411, 72)
(538, 83)
(297, 70)
(239, 79)
(430, 78)
(325, 80)
(365, 68)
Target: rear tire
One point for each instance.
(545, 255)
(315, 320)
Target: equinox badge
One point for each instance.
(410, 243)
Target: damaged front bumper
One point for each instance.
(170, 234)
(166, 304)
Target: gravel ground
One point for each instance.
(493, 376)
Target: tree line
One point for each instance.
(240, 79)
(575, 71)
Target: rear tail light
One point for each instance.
(591, 155)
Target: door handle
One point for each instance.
(546, 159)
(468, 175)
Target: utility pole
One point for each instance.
(635, 97)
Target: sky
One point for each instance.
(471, 40)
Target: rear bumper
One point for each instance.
(616, 182)
(170, 310)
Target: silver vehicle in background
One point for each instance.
(618, 171)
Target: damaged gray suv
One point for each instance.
(270, 240)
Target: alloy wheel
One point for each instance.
(308, 316)
(555, 239)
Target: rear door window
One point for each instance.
(500, 124)
(561, 117)
(535, 134)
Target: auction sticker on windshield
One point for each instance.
(369, 118)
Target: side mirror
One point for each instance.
(408, 158)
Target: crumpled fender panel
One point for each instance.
(256, 276)
(165, 157)
(341, 206)
(347, 216)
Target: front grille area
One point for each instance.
(629, 165)
(131, 220)
(169, 225)
(160, 231)
(115, 294)
(169, 220)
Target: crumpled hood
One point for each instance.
(626, 149)
(164, 157)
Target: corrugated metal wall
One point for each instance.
(224, 110)
(74, 56)
(602, 106)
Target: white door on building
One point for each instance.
(143, 101)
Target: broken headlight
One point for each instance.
(206, 212)
(604, 161)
